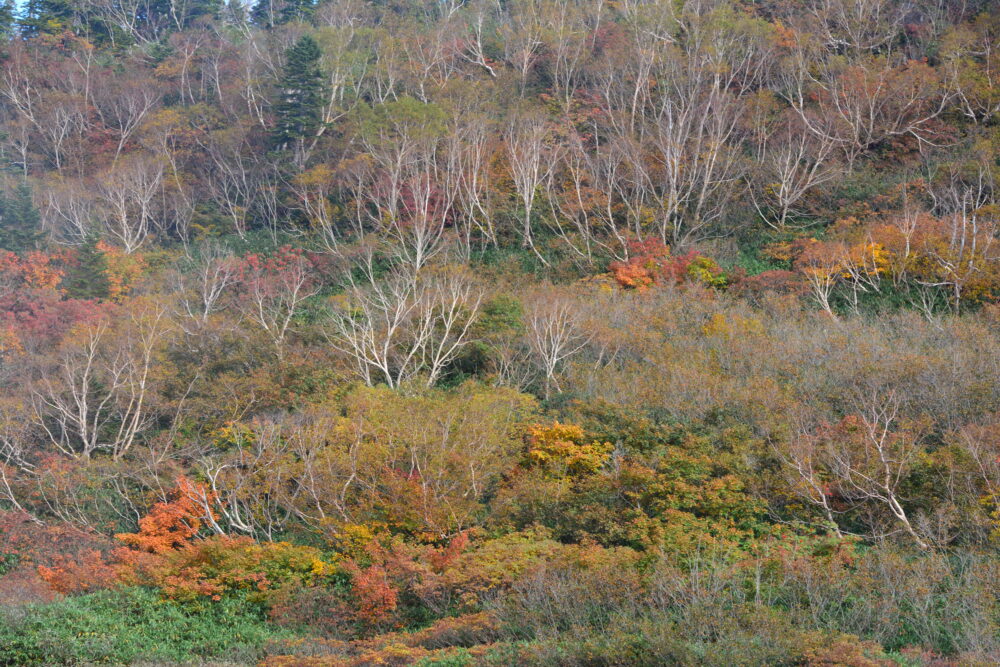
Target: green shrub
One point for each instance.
(132, 624)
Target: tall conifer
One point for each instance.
(88, 278)
(20, 223)
(300, 96)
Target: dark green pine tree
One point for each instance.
(193, 11)
(88, 278)
(295, 10)
(20, 223)
(269, 13)
(47, 17)
(264, 13)
(300, 95)
(8, 19)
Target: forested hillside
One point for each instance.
(500, 332)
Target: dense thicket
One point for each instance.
(485, 333)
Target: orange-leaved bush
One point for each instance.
(87, 572)
(123, 270)
(223, 564)
(650, 263)
(170, 525)
(34, 270)
(165, 554)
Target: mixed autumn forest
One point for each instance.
(500, 332)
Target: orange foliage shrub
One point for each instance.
(123, 270)
(164, 554)
(220, 564)
(644, 266)
(66, 559)
(169, 525)
(83, 573)
(650, 263)
(35, 270)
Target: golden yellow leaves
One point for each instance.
(562, 448)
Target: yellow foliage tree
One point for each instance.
(562, 449)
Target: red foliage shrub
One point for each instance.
(376, 597)
(650, 263)
(441, 560)
(270, 274)
(40, 317)
(645, 265)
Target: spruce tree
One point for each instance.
(269, 13)
(47, 17)
(295, 10)
(300, 97)
(20, 223)
(8, 19)
(88, 278)
(194, 10)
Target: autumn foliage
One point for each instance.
(171, 524)
(539, 332)
(650, 263)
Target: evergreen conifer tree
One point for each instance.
(47, 17)
(295, 10)
(88, 278)
(300, 97)
(269, 13)
(193, 11)
(20, 228)
(8, 19)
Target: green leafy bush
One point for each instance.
(130, 625)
